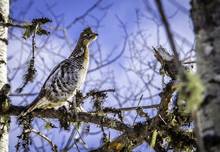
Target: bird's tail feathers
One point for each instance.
(29, 108)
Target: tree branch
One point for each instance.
(142, 131)
(79, 117)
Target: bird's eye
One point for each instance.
(87, 35)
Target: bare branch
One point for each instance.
(54, 147)
(168, 31)
(84, 14)
(81, 117)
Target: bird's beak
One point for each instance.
(96, 34)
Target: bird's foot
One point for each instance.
(65, 117)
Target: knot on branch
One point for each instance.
(167, 61)
(4, 100)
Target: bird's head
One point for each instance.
(87, 36)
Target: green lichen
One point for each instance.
(191, 92)
(154, 138)
(113, 124)
(5, 105)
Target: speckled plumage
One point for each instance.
(66, 78)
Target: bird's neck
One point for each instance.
(80, 49)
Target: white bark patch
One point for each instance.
(208, 49)
(217, 78)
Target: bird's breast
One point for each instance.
(83, 70)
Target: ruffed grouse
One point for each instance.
(66, 78)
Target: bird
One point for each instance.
(66, 78)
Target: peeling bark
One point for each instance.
(4, 125)
(206, 19)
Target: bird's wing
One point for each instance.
(37, 100)
(54, 72)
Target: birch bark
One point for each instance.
(4, 125)
(206, 19)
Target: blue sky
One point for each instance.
(111, 38)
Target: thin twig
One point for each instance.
(92, 92)
(142, 107)
(23, 94)
(54, 146)
(84, 14)
(190, 62)
(111, 110)
(136, 109)
(162, 119)
(23, 26)
(168, 31)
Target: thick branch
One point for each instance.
(127, 140)
(144, 131)
(81, 117)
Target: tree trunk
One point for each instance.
(206, 19)
(4, 125)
